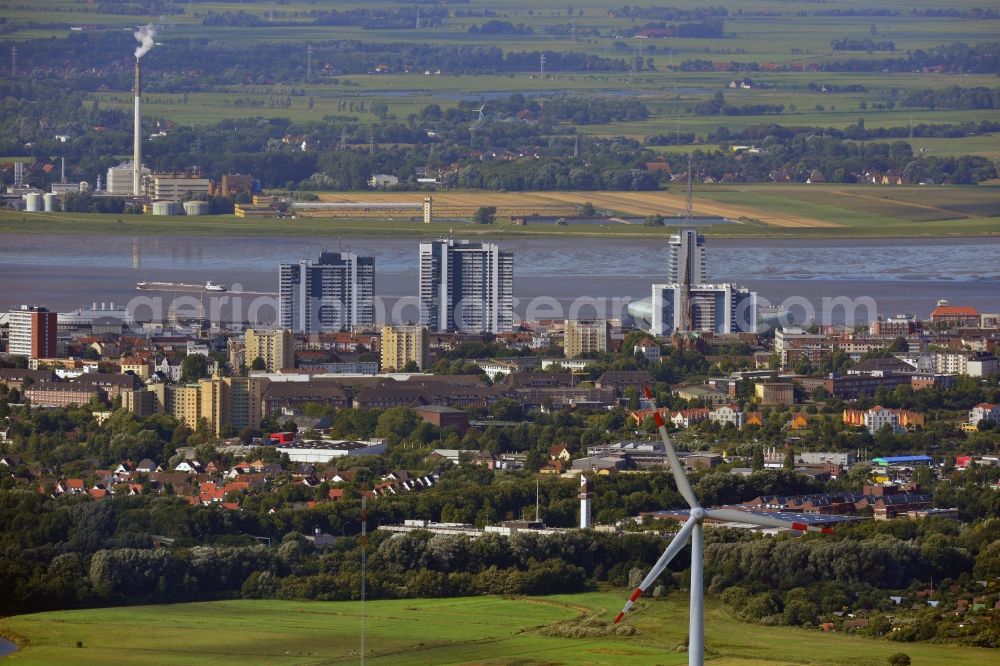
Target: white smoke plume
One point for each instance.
(145, 35)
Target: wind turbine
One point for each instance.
(478, 122)
(693, 529)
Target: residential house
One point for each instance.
(135, 365)
(559, 452)
(800, 421)
(190, 467)
(148, 466)
(689, 417)
(879, 417)
(640, 415)
(984, 411)
(730, 414)
(649, 348)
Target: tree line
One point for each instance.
(956, 57)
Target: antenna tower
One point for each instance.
(541, 66)
(686, 306)
(364, 558)
(309, 62)
(688, 196)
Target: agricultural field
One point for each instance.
(784, 38)
(754, 210)
(764, 209)
(476, 630)
(792, 36)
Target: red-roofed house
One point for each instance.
(552, 467)
(640, 415)
(984, 411)
(559, 452)
(209, 492)
(688, 417)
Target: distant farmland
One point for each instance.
(868, 209)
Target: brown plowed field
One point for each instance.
(623, 203)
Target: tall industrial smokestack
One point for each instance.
(146, 36)
(137, 136)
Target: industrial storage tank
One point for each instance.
(50, 202)
(196, 208)
(33, 202)
(166, 208)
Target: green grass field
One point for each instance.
(469, 630)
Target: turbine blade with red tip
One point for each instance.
(676, 544)
(751, 518)
(680, 478)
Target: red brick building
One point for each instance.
(443, 417)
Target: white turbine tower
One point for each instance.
(693, 530)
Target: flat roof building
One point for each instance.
(275, 348)
(334, 294)
(466, 286)
(32, 332)
(403, 344)
(717, 308)
(585, 336)
(179, 186)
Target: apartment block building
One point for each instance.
(585, 336)
(275, 348)
(32, 332)
(402, 344)
(334, 294)
(466, 286)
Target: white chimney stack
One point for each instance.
(137, 136)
